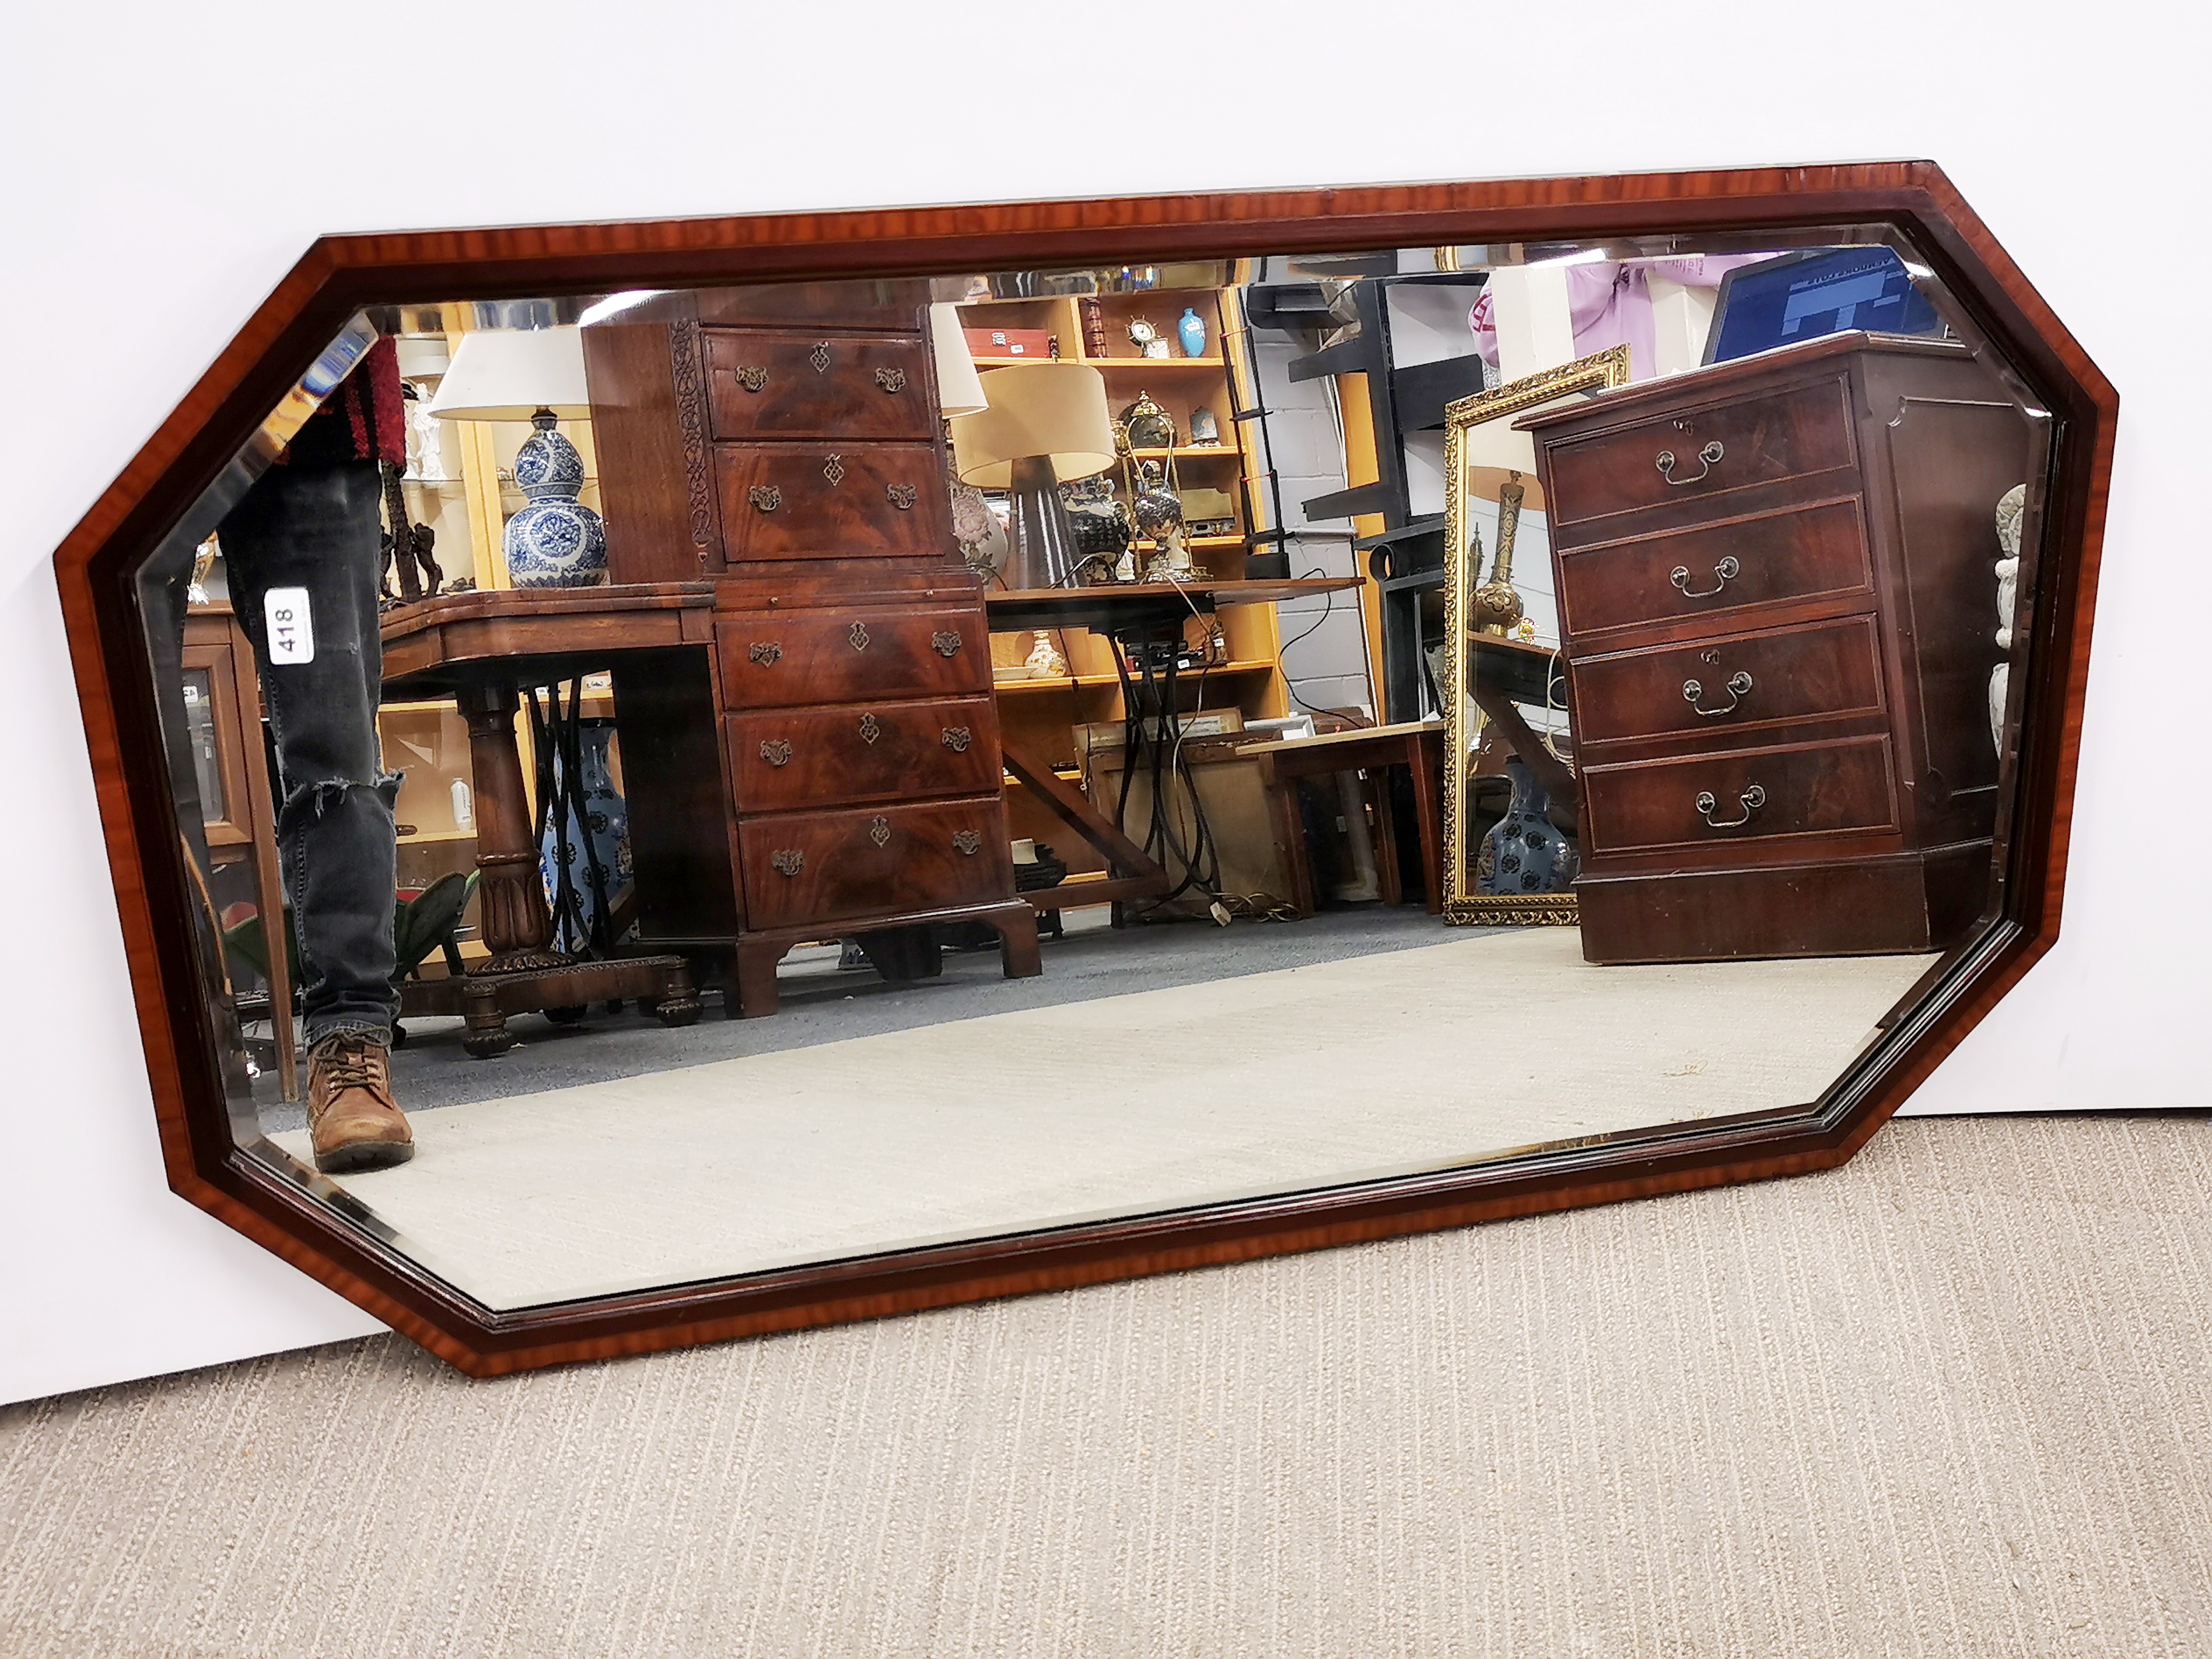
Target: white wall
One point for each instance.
(151, 199)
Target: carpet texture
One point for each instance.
(1952, 1399)
(1119, 1105)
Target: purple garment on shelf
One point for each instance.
(1609, 303)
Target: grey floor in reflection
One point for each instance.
(823, 1005)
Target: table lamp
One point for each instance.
(1047, 423)
(535, 375)
(959, 388)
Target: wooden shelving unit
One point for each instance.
(1042, 714)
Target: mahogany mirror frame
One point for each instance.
(339, 275)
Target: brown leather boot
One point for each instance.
(351, 1116)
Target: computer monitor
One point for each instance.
(1802, 296)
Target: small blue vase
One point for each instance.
(555, 540)
(1191, 328)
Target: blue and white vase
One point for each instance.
(604, 823)
(1524, 852)
(1192, 329)
(555, 540)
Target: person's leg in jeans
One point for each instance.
(316, 528)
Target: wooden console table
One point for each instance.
(481, 649)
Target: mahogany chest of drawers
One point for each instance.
(1777, 599)
(832, 767)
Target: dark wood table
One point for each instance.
(1122, 611)
(481, 649)
(1418, 745)
(1506, 673)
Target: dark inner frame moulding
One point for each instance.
(339, 275)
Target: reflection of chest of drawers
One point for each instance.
(1776, 590)
(784, 442)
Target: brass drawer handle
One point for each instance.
(871, 728)
(766, 497)
(1728, 570)
(1709, 456)
(970, 841)
(858, 635)
(776, 751)
(879, 830)
(820, 356)
(765, 653)
(945, 645)
(1751, 800)
(1738, 688)
(957, 738)
(787, 860)
(751, 378)
(903, 497)
(892, 381)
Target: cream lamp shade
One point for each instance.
(509, 374)
(959, 388)
(1053, 412)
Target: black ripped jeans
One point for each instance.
(317, 528)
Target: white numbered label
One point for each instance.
(291, 624)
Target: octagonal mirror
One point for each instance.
(673, 781)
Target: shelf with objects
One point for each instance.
(1172, 494)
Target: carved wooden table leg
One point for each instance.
(510, 887)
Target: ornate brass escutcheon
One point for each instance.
(857, 634)
(879, 830)
(766, 497)
(871, 728)
(903, 497)
(776, 751)
(765, 653)
(946, 645)
(833, 469)
(970, 841)
(891, 380)
(752, 378)
(956, 738)
(820, 356)
(788, 861)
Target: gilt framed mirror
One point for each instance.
(674, 780)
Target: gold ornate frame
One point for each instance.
(1600, 372)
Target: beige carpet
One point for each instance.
(1954, 1399)
(1265, 1083)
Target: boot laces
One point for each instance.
(348, 1066)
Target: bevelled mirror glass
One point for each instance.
(705, 783)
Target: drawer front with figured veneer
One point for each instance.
(1700, 453)
(837, 866)
(777, 385)
(810, 501)
(786, 761)
(1747, 795)
(1822, 671)
(1795, 553)
(781, 659)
